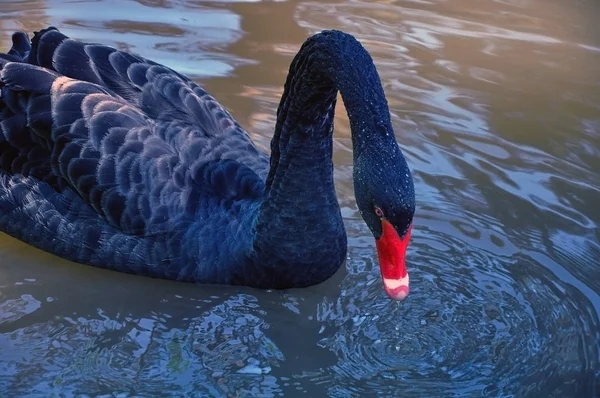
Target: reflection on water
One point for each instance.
(497, 109)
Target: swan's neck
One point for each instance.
(300, 236)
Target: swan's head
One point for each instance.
(385, 196)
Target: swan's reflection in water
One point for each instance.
(149, 336)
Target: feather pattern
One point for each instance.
(112, 160)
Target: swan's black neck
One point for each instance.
(329, 62)
(299, 229)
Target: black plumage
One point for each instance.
(112, 160)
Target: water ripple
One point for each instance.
(482, 324)
(222, 351)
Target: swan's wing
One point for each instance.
(138, 172)
(64, 224)
(160, 92)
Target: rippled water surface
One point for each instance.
(497, 107)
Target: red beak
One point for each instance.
(392, 253)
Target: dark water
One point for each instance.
(497, 107)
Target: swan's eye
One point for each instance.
(379, 212)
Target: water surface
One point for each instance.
(497, 109)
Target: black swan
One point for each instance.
(115, 161)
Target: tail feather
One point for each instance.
(25, 114)
(19, 51)
(20, 45)
(43, 45)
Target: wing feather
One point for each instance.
(140, 144)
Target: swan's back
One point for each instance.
(111, 148)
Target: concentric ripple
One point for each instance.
(480, 324)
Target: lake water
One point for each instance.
(497, 107)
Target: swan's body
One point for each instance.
(112, 160)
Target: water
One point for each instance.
(498, 111)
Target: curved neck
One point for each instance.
(300, 211)
(329, 62)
